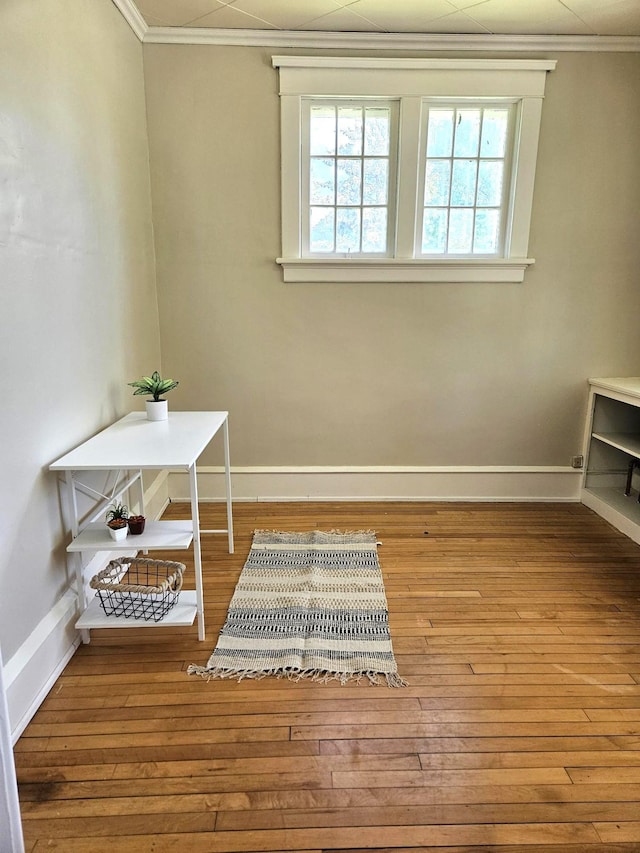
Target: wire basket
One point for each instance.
(138, 588)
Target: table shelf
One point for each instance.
(158, 535)
(182, 614)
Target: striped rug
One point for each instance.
(307, 605)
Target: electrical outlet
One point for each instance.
(577, 461)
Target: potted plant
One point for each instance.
(136, 524)
(117, 517)
(155, 385)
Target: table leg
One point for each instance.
(197, 553)
(77, 557)
(227, 472)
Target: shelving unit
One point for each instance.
(611, 442)
(128, 447)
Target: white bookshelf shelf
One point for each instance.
(612, 505)
(158, 535)
(612, 442)
(626, 441)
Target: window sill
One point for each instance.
(410, 270)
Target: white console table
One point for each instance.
(611, 444)
(128, 447)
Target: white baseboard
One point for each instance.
(441, 483)
(33, 669)
(31, 672)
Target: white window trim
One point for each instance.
(410, 80)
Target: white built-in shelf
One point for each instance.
(618, 388)
(612, 420)
(619, 510)
(626, 505)
(626, 441)
(157, 535)
(181, 614)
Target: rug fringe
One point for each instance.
(301, 536)
(322, 676)
(333, 532)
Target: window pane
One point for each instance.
(376, 173)
(464, 179)
(494, 133)
(349, 130)
(377, 129)
(467, 133)
(460, 231)
(436, 185)
(322, 130)
(348, 229)
(321, 181)
(463, 183)
(490, 183)
(440, 133)
(486, 231)
(349, 181)
(321, 222)
(434, 231)
(374, 229)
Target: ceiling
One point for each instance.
(481, 17)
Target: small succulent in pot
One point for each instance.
(136, 524)
(117, 517)
(156, 386)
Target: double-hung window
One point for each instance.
(408, 170)
(466, 174)
(350, 151)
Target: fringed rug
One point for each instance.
(307, 605)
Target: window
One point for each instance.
(408, 170)
(351, 166)
(464, 187)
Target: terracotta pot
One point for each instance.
(136, 524)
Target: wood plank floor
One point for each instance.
(518, 628)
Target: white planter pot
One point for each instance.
(157, 410)
(118, 533)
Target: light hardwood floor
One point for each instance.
(518, 628)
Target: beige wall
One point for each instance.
(382, 374)
(79, 310)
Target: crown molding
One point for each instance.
(386, 41)
(421, 64)
(132, 16)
